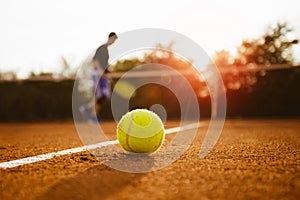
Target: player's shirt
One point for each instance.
(102, 86)
(102, 56)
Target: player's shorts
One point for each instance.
(103, 89)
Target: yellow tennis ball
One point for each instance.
(140, 131)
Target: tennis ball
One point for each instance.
(140, 131)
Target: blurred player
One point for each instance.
(101, 82)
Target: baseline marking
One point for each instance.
(47, 156)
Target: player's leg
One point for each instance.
(98, 107)
(87, 111)
(103, 94)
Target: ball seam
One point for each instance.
(128, 132)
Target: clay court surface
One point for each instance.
(253, 159)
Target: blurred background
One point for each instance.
(255, 45)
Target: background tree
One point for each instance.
(223, 58)
(274, 47)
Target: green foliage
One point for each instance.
(8, 76)
(126, 65)
(223, 58)
(274, 47)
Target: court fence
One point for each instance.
(276, 92)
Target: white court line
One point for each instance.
(42, 157)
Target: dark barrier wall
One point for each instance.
(36, 100)
(275, 94)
